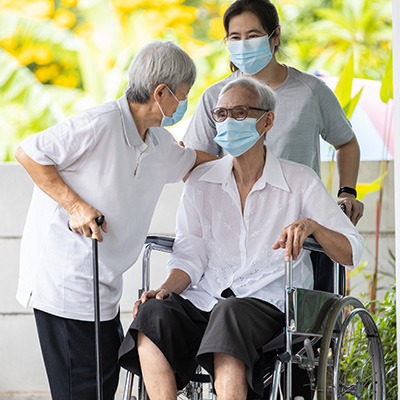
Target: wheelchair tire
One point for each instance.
(197, 391)
(351, 361)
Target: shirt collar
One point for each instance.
(272, 174)
(131, 133)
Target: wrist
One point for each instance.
(346, 191)
(72, 202)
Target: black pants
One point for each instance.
(68, 349)
(236, 326)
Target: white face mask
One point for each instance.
(236, 137)
(251, 55)
(177, 115)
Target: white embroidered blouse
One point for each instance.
(218, 246)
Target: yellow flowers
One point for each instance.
(47, 73)
(216, 31)
(43, 55)
(64, 18)
(9, 44)
(35, 9)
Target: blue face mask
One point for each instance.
(177, 115)
(251, 55)
(236, 137)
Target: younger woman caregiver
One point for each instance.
(306, 108)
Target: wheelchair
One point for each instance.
(330, 336)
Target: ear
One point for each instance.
(160, 91)
(267, 121)
(277, 36)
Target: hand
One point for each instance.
(293, 236)
(83, 220)
(354, 208)
(159, 294)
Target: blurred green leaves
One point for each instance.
(58, 57)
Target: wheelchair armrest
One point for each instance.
(311, 244)
(164, 241)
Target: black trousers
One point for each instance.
(68, 350)
(236, 326)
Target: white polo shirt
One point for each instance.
(101, 156)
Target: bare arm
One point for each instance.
(176, 282)
(201, 157)
(336, 246)
(48, 179)
(348, 162)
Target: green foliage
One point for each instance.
(361, 26)
(386, 322)
(66, 55)
(387, 81)
(356, 348)
(344, 86)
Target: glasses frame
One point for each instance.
(214, 117)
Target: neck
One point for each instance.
(249, 167)
(273, 75)
(145, 117)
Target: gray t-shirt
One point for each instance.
(305, 109)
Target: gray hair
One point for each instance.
(156, 63)
(265, 96)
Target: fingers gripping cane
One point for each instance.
(96, 301)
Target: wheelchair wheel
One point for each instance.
(351, 363)
(196, 391)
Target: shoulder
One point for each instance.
(305, 79)
(297, 174)
(202, 169)
(101, 111)
(164, 136)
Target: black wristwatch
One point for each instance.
(346, 189)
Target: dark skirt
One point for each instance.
(188, 336)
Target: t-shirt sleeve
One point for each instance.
(337, 128)
(63, 144)
(179, 160)
(201, 131)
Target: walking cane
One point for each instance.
(96, 301)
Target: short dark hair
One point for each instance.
(263, 9)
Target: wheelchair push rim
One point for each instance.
(351, 362)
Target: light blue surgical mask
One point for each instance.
(236, 137)
(177, 115)
(251, 55)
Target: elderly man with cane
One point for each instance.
(111, 160)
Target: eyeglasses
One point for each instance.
(239, 113)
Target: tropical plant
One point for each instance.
(355, 351)
(360, 26)
(59, 57)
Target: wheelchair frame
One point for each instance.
(338, 314)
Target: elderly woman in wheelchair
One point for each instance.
(224, 296)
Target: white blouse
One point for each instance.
(218, 246)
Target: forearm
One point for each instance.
(202, 156)
(176, 282)
(82, 215)
(336, 245)
(47, 178)
(348, 163)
